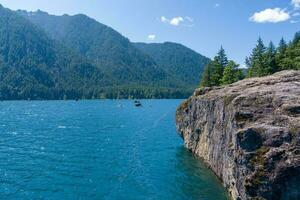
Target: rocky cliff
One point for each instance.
(248, 133)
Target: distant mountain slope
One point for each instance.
(53, 57)
(170, 64)
(178, 60)
(105, 47)
(33, 66)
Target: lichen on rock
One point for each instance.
(248, 133)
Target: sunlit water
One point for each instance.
(98, 150)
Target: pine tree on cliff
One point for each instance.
(232, 73)
(281, 50)
(257, 60)
(271, 65)
(221, 57)
(296, 38)
(219, 64)
(291, 58)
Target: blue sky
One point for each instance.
(203, 25)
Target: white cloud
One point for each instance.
(164, 19)
(296, 14)
(151, 37)
(176, 21)
(296, 3)
(270, 15)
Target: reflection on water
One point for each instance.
(98, 150)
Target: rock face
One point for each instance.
(249, 134)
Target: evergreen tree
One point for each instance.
(219, 63)
(291, 57)
(217, 72)
(240, 74)
(281, 50)
(221, 58)
(257, 60)
(296, 38)
(282, 46)
(271, 65)
(220, 72)
(232, 73)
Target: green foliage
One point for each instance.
(221, 58)
(281, 51)
(101, 45)
(220, 71)
(69, 57)
(219, 64)
(257, 62)
(35, 67)
(296, 38)
(232, 73)
(271, 65)
(217, 73)
(74, 57)
(112, 67)
(290, 58)
(183, 63)
(265, 61)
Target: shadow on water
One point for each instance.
(196, 180)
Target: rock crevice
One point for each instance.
(249, 134)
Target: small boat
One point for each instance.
(137, 103)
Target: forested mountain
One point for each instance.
(44, 56)
(173, 70)
(105, 47)
(34, 66)
(178, 60)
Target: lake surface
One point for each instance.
(98, 150)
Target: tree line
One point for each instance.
(263, 61)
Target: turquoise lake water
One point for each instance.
(98, 150)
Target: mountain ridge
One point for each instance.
(166, 49)
(117, 68)
(104, 46)
(32, 63)
(170, 56)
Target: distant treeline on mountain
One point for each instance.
(263, 61)
(44, 56)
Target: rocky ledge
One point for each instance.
(248, 133)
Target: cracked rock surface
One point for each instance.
(248, 133)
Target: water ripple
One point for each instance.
(98, 150)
